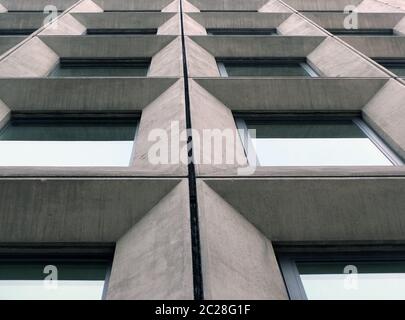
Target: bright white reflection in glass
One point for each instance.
(314, 143)
(372, 282)
(53, 280)
(66, 144)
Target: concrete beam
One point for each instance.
(37, 5)
(275, 6)
(238, 261)
(7, 42)
(321, 5)
(126, 5)
(385, 113)
(66, 25)
(153, 259)
(332, 59)
(86, 6)
(378, 47)
(235, 5)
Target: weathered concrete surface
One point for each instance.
(378, 6)
(333, 59)
(86, 6)
(221, 5)
(106, 46)
(175, 7)
(321, 5)
(295, 25)
(319, 209)
(168, 61)
(239, 20)
(31, 20)
(238, 261)
(37, 5)
(208, 114)
(170, 108)
(399, 28)
(378, 46)
(153, 259)
(82, 95)
(4, 114)
(312, 94)
(32, 59)
(274, 6)
(125, 5)
(192, 27)
(6, 43)
(2, 8)
(66, 25)
(386, 114)
(200, 62)
(171, 27)
(53, 210)
(259, 46)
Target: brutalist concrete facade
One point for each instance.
(185, 231)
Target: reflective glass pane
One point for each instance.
(242, 32)
(263, 69)
(52, 280)
(67, 143)
(353, 280)
(397, 69)
(100, 71)
(313, 143)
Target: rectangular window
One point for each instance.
(16, 32)
(265, 68)
(117, 31)
(362, 32)
(396, 66)
(52, 277)
(101, 68)
(305, 141)
(344, 276)
(67, 141)
(242, 32)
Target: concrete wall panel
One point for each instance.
(295, 25)
(66, 25)
(167, 62)
(200, 62)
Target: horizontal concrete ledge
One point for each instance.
(259, 46)
(7, 42)
(310, 172)
(293, 94)
(124, 5)
(239, 5)
(81, 94)
(319, 209)
(37, 5)
(378, 46)
(75, 210)
(106, 46)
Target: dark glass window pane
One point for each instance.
(264, 69)
(242, 32)
(120, 31)
(362, 32)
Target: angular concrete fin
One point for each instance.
(188, 7)
(168, 61)
(4, 114)
(274, 6)
(210, 115)
(33, 59)
(65, 25)
(385, 113)
(86, 6)
(172, 7)
(238, 261)
(2, 8)
(200, 62)
(170, 106)
(333, 59)
(380, 6)
(153, 259)
(171, 26)
(192, 27)
(399, 28)
(295, 25)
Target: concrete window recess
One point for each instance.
(101, 68)
(242, 32)
(344, 276)
(396, 66)
(295, 141)
(121, 31)
(67, 142)
(264, 68)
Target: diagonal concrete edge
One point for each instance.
(380, 6)
(168, 61)
(295, 25)
(4, 114)
(86, 6)
(238, 261)
(153, 259)
(2, 8)
(274, 6)
(192, 27)
(171, 27)
(399, 28)
(200, 62)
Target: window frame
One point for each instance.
(361, 32)
(121, 31)
(288, 259)
(301, 62)
(67, 253)
(242, 31)
(240, 121)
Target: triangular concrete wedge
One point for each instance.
(200, 62)
(65, 25)
(2, 8)
(4, 114)
(192, 27)
(175, 7)
(274, 6)
(168, 61)
(171, 27)
(86, 6)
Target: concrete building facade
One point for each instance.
(204, 229)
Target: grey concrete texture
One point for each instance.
(121, 20)
(43, 210)
(296, 25)
(37, 5)
(386, 114)
(125, 5)
(31, 20)
(106, 46)
(65, 25)
(82, 94)
(153, 259)
(378, 46)
(238, 261)
(223, 5)
(319, 209)
(239, 19)
(199, 61)
(275, 6)
(7, 42)
(192, 27)
(321, 5)
(259, 46)
(294, 94)
(168, 61)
